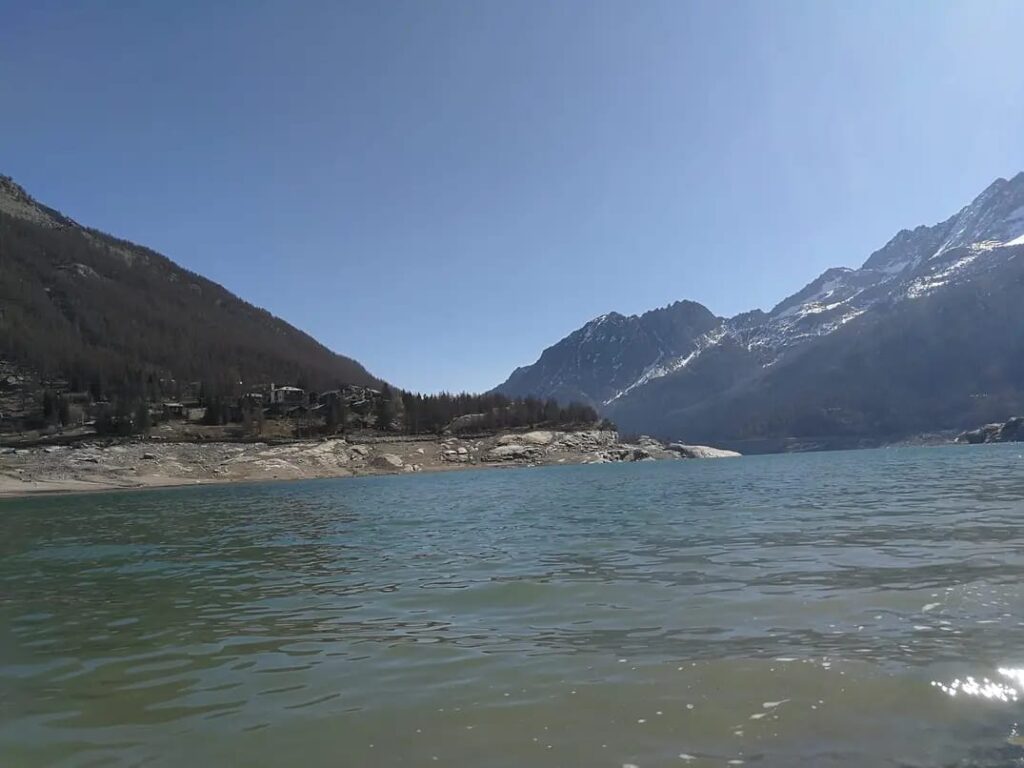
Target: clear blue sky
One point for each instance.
(442, 189)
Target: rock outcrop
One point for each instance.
(701, 452)
(94, 464)
(1010, 431)
(513, 452)
(387, 461)
(593, 447)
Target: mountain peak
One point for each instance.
(607, 317)
(1001, 183)
(995, 215)
(600, 359)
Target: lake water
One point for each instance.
(835, 609)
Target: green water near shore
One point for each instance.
(812, 609)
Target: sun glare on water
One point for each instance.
(986, 688)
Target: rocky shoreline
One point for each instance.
(1009, 431)
(125, 464)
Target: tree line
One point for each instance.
(490, 412)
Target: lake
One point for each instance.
(834, 609)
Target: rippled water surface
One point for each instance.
(834, 609)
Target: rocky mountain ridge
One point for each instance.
(758, 360)
(611, 353)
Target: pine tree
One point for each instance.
(333, 415)
(64, 411)
(142, 422)
(384, 409)
(49, 407)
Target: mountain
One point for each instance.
(928, 334)
(611, 353)
(105, 314)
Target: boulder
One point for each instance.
(588, 440)
(360, 450)
(646, 441)
(615, 454)
(701, 451)
(538, 437)
(387, 461)
(512, 453)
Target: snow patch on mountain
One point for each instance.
(926, 284)
(814, 303)
(996, 214)
(658, 369)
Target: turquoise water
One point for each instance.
(819, 609)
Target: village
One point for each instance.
(33, 408)
(305, 412)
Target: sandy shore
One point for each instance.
(100, 466)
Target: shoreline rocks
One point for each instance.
(136, 463)
(387, 461)
(702, 451)
(1009, 431)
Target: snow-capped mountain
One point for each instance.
(653, 386)
(612, 353)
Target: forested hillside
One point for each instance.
(116, 318)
